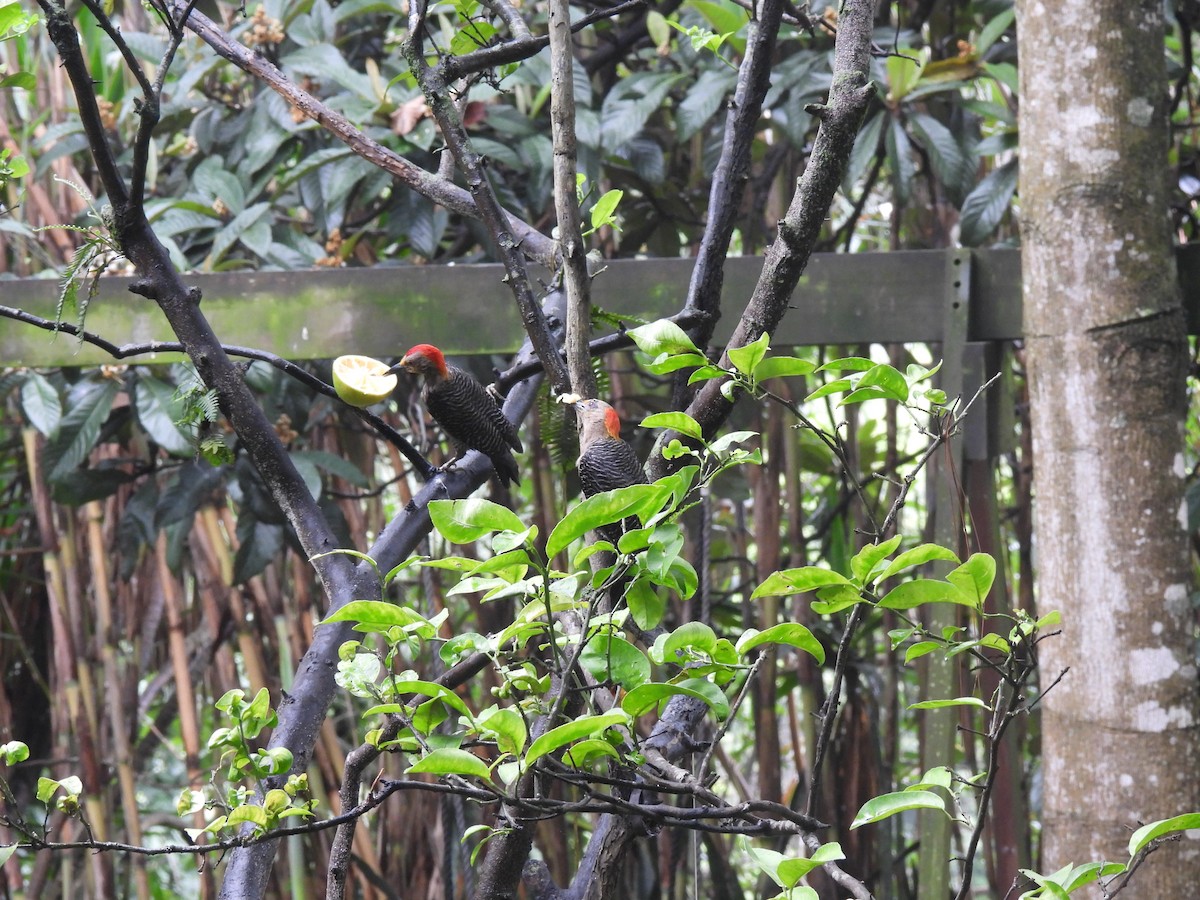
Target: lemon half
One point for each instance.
(360, 380)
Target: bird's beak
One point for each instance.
(402, 365)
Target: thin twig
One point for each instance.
(124, 351)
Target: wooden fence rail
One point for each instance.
(842, 299)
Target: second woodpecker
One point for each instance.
(606, 462)
(465, 410)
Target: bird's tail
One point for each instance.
(506, 469)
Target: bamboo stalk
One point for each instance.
(64, 677)
(189, 726)
(221, 534)
(119, 718)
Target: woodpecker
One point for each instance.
(605, 461)
(465, 410)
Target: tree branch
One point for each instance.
(490, 212)
(788, 255)
(733, 168)
(566, 206)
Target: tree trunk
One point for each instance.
(1107, 357)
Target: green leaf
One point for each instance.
(724, 19)
(903, 71)
(747, 357)
(585, 752)
(375, 615)
(725, 441)
(79, 429)
(919, 649)
(584, 727)
(240, 228)
(661, 337)
(937, 777)
(994, 30)
(707, 373)
(782, 367)
(791, 870)
(986, 205)
(46, 788)
(798, 581)
(628, 107)
(879, 382)
(886, 805)
(509, 729)
(247, 812)
(335, 465)
(646, 605)
(865, 561)
(921, 591)
(9, 16)
(768, 861)
(605, 209)
(437, 692)
(262, 544)
(704, 97)
(464, 521)
(13, 752)
(607, 657)
(917, 556)
(657, 28)
(900, 159)
(1087, 873)
(848, 364)
(6, 852)
(946, 158)
(791, 633)
(694, 635)
(866, 145)
(957, 701)
(605, 508)
(309, 474)
(829, 387)
(666, 363)
(326, 62)
(644, 698)
(974, 578)
(1147, 833)
(39, 399)
(681, 422)
(451, 761)
(835, 598)
(81, 486)
(159, 408)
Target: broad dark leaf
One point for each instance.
(949, 162)
(260, 545)
(986, 205)
(40, 402)
(186, 490)
(79, 429)
(866, 145)
(901, 160)
(704, 98)
(158, 409)
(81, 486)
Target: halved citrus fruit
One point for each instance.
(361, 381)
